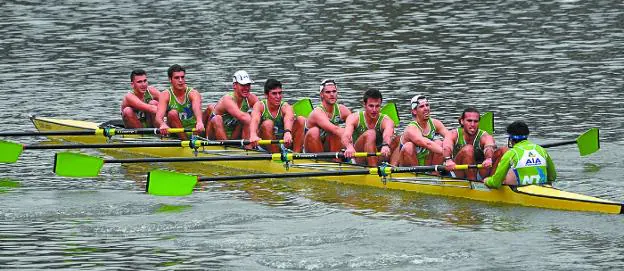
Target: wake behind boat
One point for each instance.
(531, 195)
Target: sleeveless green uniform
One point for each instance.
(140, 114)
(476, 144)
(335, 119)
(230, 122)
(278, 120)
(530, 162)
(362, 128)
(185, 111)
(423, 153)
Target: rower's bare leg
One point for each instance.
(498, 154)
(333, 143)
(237, 132)
(510, 178)
(436, 159)
(266, 132)
(366, 143)
(465, 156)
(130, 119)
(151, 117)
(407, 155)
(206, 117)
(312, 140)
(298, 133)
(173, 120)
(215, 129)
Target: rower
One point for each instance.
(181, 103)
(138, 107)
(273, 118)
(323, 131)
(420, 143)
(525, 163)
(472, 145)
(230, 118)
(368, 130)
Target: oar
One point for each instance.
(486, 123)
(587, 143)
(168, 183)
(72, 164)
(303, 107)
(10, 151)
(390, 109)
(103, 132)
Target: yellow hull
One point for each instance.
(534, 196)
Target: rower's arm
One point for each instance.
(487, 142)
(289, 116)
(196, 105)
(387, 126)
(155, 93)
(319, 118)
(256, 112)
(448, 143)
(232, 108)
(496, 180)
(550, 168)
(161, 111)
(136, 103)
(347, 137)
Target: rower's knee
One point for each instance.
(128, 112)
(267, 126)
(408, 149)
(216, 120)
(172, 114)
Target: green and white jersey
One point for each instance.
(278, 119)
(530, 163)
(147, 97)
(184, 109)
(230, 122)
(461, 142)
(362, 127)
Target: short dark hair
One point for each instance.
(371, 93)
(469, 110)
(271, 84)
(175, 68)
(518, 128)
(135, 73)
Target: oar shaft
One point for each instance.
(103, 132)
(197, 143)
(275, 156)
(285, 175)
(556, 144)
(48, 133)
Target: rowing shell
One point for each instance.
(532, 195)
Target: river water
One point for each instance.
(556, 64)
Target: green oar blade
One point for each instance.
(588, 142)
(303, 107)
(10, 151)
(486, 123)
(167, 183)
(392, 112)
(72, 164)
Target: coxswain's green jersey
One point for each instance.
(530, 163)
(185, 110)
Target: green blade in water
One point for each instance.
(391, 110)
(588, 142)
(72, 164)
(167, 183)
(10, 151)
(486, 123)
(303, 107)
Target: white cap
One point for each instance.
(242, 78)
(327, 82)
(416, 100)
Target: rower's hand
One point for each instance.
(385, 151)
(253, 141)
(164, 129)
(349, 152)
(199, 127)
(449, 165)
(487, 163)
(287, 139)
